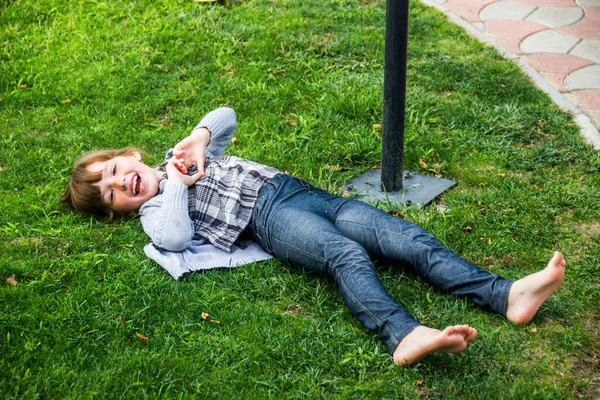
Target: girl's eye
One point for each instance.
(114, 171)
(111, 196)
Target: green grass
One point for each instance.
(305, 78)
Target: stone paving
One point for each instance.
(556, 42)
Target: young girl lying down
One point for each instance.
(199, 193)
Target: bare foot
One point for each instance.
(527, 294)
(423, 340)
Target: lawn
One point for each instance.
(83, 312)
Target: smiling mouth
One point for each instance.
(135, 186)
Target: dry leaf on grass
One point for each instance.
(142, 337)
(11, 280)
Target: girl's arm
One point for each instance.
(222, 124)
(165, 218)
(208, 139)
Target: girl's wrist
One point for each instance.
(203, 133)
(175, 181)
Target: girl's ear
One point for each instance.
(135, 154)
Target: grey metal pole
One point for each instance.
(394, 95)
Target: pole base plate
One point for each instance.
(418, 189)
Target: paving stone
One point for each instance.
(592, 13)
(473, 3)
(467, 13)
(589, 49)
(548, 41)
(509, 33)
(557, 63)
(588, 99)
(556, 17)
(512, 29)
(549, 3)
(468, 9)
(510, 44)
(560, 39)
(584, 29)
(595, 115)
(506, 9)
(557, 80)
(584, 78)
(571, 97)
(480, 26)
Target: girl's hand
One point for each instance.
(192, 150)
(175, 174)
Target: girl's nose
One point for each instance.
(119, 183)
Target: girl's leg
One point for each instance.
(293, 220)
(289, 221)
(312, 242)
(404, 243)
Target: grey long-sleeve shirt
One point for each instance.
(177, 239)
(165, 217)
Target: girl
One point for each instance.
(197, 192)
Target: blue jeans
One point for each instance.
(338, 238)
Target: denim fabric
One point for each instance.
(338, 238)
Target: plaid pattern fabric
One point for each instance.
(221, 203)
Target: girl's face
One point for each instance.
(126, 182)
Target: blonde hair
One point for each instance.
(81, 193)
